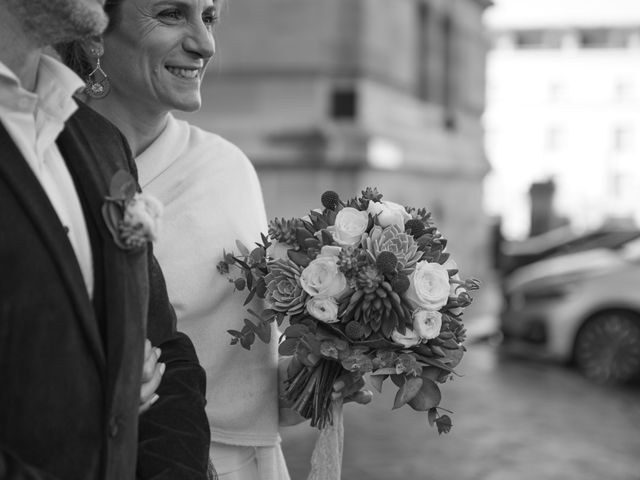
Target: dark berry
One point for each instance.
(330, 200)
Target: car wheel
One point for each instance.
(607, 347)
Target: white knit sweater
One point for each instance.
(212, 197)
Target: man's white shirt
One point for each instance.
(34, 120)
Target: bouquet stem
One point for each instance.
(309, 391)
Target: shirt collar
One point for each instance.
(55, 86)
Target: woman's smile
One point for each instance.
(187, 73)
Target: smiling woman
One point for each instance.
(151, 61)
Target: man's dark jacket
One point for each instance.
(70, 366)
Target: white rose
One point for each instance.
(427, 324)
(349, 226)
(324, 309)
(143, 212)
(322, 277)
(409, 339)
(389, 213)
(429, 286)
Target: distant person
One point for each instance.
(74, 306)
(155, 55)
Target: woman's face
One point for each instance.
(156, 53)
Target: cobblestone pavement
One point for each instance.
(513, 420)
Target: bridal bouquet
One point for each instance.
(366, 288)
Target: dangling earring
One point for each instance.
(98, 85)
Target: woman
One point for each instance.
(154, 54)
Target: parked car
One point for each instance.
(561, 241)
(582, 308)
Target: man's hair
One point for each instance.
(72, 53)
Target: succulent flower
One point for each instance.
(368, 279)
(284, 231)
(351, 260)
(391, 239)
(284, 292)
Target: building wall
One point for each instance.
(326, 95)
(564, 110)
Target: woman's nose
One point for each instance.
(200, 41)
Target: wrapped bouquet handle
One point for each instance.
(326, 459)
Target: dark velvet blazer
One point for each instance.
(70, 366)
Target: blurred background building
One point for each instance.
(344, 94)
(563, 114)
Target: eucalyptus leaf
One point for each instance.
(263, 330)
(244, 251)
(427, 397)
(288, 346)
(407, 391)
(376, 381)
(432, 416)
(444, 424)
(298, 258)
(122, 186)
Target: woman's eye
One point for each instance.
(171, 15)
(210, 19)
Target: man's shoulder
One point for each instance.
(88, 120)
(103, 137)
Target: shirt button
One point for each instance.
(113, 427)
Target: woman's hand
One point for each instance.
(152, 372)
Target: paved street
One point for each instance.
(513, 420)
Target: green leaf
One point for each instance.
(244, 251)
(247, 340)
(249, 276)
(288, 346)
(249, 297)
(263, 330)
(261, 287)
(427, 397)
(444, 424)
(122, 186)
(298, 258)
(327, 238)
(257, 254)
(385, 371)
(432, 416)
(376, 381)
(407, 391)
(296, 331)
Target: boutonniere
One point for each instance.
(132, 218)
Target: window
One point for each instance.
(554, 139)
(530, 38)
(344, 103)
(538, 39)
(423, 87)
(603, 38)
(622, 139)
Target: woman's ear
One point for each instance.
(93, 47)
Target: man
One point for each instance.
(75, 307)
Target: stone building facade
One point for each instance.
(344, 94)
